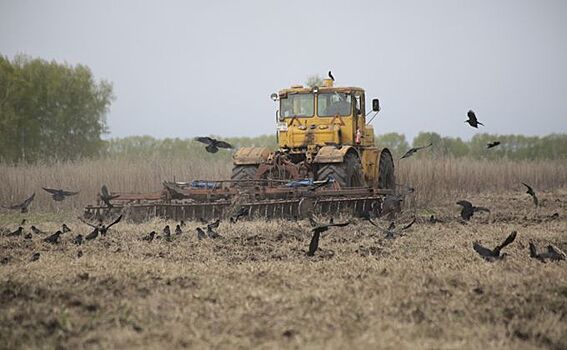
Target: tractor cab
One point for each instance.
(319, 116)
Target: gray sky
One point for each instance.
(187, 68)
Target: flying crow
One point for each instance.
(23, 207)
(212, 144)
(468, 209)
(106, 197)
(59, 195)
(317, 230)
(472, 120)
(412, 151)
(492, 144)
(494, 254)
(531, 192)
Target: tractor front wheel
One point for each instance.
(346, 174)
(386, 178)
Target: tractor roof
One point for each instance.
(300, 89)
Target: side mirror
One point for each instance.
(274, 96)
(376, 105)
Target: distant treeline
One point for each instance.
(514, 147)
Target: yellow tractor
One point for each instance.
(322, 133)
(326, 162)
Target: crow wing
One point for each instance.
(465, 204)
(471, 116)
(481, 209)
(69, 193)
(506, 242)
(482, 250)
(409, 153)
(530, 190)
(408, 225)
(114, 222)
(424, 147)
(87, 223)
(204, 139)
(52, 190)
(338, 224)
(314, 244)
(223, 144)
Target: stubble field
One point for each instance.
(255, 287)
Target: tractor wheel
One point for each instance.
(386, 177)
(244, 172)
(346, 174)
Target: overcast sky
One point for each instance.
(187, 68)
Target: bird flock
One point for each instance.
(391, 206)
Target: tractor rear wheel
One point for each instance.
(346, 174)
(244, 172)
(386, 177)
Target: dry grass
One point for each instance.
(436, 180)
(256, 287)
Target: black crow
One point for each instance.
(472, 120)
(54, 238)
(214, 224)
(101, 227)
(149, 237)
(331, 76)
(37, 231)
(92, 235)
(531, 192)
(412, 151)
(392, 231)
(200, 233)
(468, 209)
(553, 253)
(492, 144)
(212, 144)
(212, 234)
(78, 240)
(494, 254)
(17, 232)
(59, 195)
(240, 213)
(317, 230)
(23, 207)
(106, 197)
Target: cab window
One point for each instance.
(297, 105)
(333, 103)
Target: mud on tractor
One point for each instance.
(326, 161)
